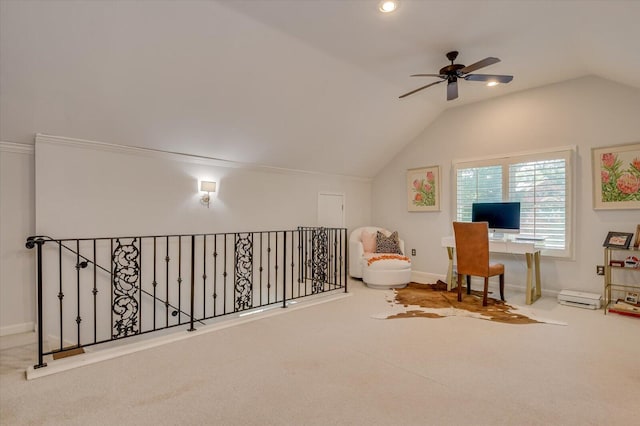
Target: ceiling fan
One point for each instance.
(451, 74)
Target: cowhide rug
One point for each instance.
(434, 301)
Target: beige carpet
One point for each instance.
(332, 364)
(434, 301)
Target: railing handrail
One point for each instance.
(207, 234)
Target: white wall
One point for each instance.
(587, 112)
(86, 189)
(17, 274)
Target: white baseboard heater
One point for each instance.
(580, 299)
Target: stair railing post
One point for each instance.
(284, 270)
(345, 240)
(31, 243)
(193, 278)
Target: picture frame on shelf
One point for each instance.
(423, 189)
(618, 240)
(616, 177)
(636, 243)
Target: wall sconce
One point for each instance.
(207, 187)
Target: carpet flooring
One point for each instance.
(332, 364)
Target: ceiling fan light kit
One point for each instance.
(451, 73)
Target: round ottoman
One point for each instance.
(385, 271)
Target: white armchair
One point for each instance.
(392, 271)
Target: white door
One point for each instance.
(330, 210)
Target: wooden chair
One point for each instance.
(472, 254)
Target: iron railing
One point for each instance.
(96, 290)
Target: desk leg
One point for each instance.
(533, 267)
(537, 272)
(529, 257)
(450, 251)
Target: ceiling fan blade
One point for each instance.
(420, 88)
(452, 89)
(428, 75)
(489, 77)
(480, 64)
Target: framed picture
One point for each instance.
(616, 177)
(423, 189)
(636, 243)
(618, 240)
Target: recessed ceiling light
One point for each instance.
(388, 6)
(492, 83)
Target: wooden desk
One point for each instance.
(530, 250)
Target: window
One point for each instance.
(541, 182)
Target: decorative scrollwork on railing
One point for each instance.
(319, 259)
(243, 272)
(126, 271)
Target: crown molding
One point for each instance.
(18, 148)
(177, 156)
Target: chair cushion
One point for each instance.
(496, 269)
(390, 244)
(385, 261)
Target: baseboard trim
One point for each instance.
(17, 329)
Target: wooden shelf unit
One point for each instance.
(609, 285)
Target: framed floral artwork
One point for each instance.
(616, 177)
(423, 189)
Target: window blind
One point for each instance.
(540, 182)
(477, 184)
(539, 186)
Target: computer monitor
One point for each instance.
(502, 217)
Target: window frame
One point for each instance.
(566, 153)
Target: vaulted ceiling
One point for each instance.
(309, 85)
